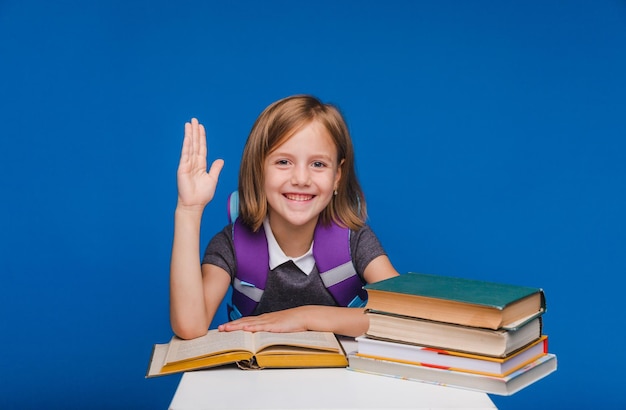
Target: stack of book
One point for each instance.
(457, 332)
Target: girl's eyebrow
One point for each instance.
(279, 153)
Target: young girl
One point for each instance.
(299, 194)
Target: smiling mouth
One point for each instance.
(299, 197)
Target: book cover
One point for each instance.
(456, 300)
(469, 339)
(450, 359)
(504, 386)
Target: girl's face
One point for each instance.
(300, 178)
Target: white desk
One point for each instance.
(233, 388)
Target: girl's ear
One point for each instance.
(338, 175)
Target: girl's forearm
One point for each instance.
(340, 320)
(187, 311)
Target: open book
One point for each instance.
(248, 350)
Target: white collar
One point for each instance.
(305, 262)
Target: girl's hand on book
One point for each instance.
(339, 320)
(283, 321)
(196, 186)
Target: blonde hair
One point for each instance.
(277, 123)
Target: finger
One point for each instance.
(266, 327)
(230, 326)
(255, 328)
(202, 149)
(194, 136)
(216, 168)
(199, 147)
(186, 149)
(245, 321)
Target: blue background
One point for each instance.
(489, 139)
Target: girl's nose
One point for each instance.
(301, 176)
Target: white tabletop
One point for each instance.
(233, 388)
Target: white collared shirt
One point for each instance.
(305, 263)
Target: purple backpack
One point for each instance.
(331, 251)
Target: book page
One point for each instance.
(157, 360)
(308, 339)
(214, 342)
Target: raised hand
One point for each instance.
(196, 186)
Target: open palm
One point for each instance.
(196, 186)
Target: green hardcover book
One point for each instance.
(460, 301)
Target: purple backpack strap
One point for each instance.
(331, 250)
(252, 258)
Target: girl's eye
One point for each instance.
(282, 162)
(318, 164)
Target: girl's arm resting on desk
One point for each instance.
(339, 320)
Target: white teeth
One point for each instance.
(298, 197)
